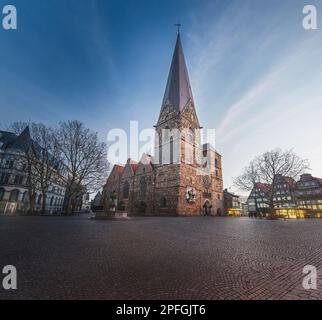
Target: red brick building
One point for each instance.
(184, 177)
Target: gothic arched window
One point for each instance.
(166, 132)
(160, 154)
(190, 136)
(126, 190)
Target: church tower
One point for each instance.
(177, 147)
(184, 177)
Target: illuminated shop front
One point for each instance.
(291, 213)
(232, 212)
(297, 213)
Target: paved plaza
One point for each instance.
(160, 258)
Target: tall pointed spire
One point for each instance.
(178, 91)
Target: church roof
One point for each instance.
(119, 169)
(134, 166)
(264, 187)
(178, 91)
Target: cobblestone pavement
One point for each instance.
(160, 258)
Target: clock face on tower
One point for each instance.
(207, 182)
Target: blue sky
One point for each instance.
(256, 74)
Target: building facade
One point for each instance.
(309, 195)
(291, 199)
(284, 193)
(13, 178)
(258, 200)
(185, 176)
(232, 204)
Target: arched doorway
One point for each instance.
(207, 207)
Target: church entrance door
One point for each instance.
(207, 208)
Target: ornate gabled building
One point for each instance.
(309, 195)
(258, 200)
(284, 193)
(291, 199)
(184, 177)
(14, 176)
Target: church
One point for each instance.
(184, 177)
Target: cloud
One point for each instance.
(267, 87)
(259, 83)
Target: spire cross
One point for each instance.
(178, 25)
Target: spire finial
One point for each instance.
(178, 25)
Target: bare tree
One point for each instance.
(247, 180)
(266, 167)
(85, 158)
(46, 160)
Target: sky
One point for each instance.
(256, 73)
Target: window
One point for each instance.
(189, 157)
(171, 150)
(52, 201)
(14, 196)
(24, 197)
(39, 199)
(166, 133)
(2, 191)
(190, 136)
(4, 178)
(9, 164)
(126, 190)
(160, 154)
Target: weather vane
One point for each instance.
(178, 25)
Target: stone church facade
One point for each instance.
(184, 178)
